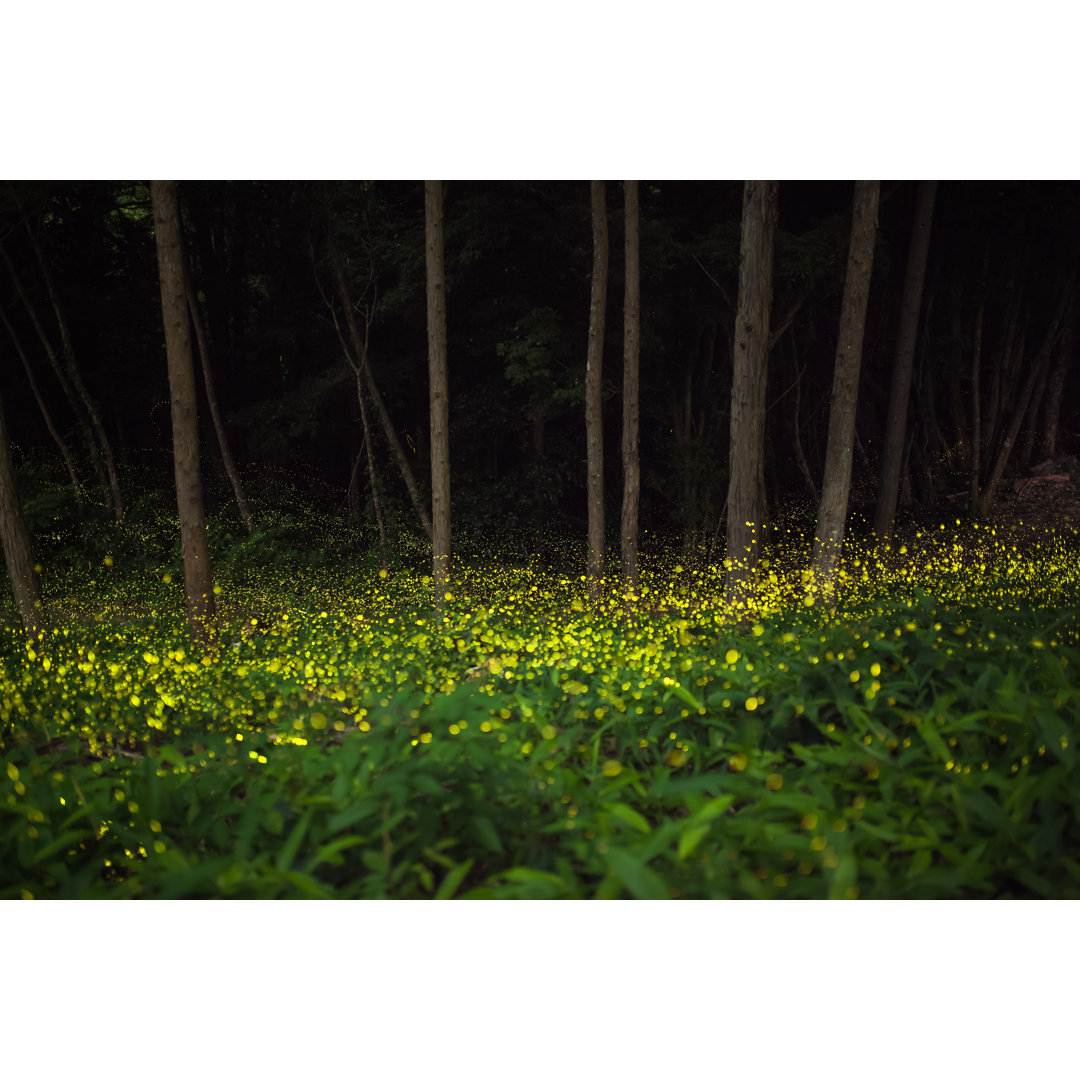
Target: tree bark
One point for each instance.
(1054, 392)
(16, 541)
(437, 388)
(215, 415)
(594, 429)
(363, 369)
(976, 405)
(1035, 369)
(832, 512)
(376, 502)
(746, 503)
(68, 352)
(631, 357)
(907, 332)
(85, 431)
(185, 428)
(57, 438)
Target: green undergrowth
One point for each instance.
(344, 738)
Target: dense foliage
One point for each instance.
(342, 740)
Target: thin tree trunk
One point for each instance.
(976, 405)
(65, 453)
(631, 356)
(15, 540)
(360, 349)
(832, 512)
(1054, 392)
(1031, 417)
(85, 431)
(215, 415)
(594, 429)
(437, 388)
(797, 446)
(896, 425)
(371, 472)
(745, 503)
(185, 424)
(68, 351)
(1035, 370)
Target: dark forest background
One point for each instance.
(1001, 272)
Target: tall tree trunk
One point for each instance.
(215, 415)
(745, 503)
(1035, 370)
(631, 355)
(976, 404)
(1031, 419)
(832, 512)
(907, 332)
(68, 352)
(797, 446)
(16, 541)
(57, 438)
(376, 501)
(363, 369)
(85, 431)
(185, 426)
(594, 424)
(1054, 391)
(437, 388)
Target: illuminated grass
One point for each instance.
(342, 740)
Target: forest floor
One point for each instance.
(342, 740)
(1048, 498)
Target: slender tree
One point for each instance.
(746, 502)
(62, 446)
(1036, 368)
(631, 350)
(185, 429)
(85, 431)
(437, 388)
(976, 405)
(1054, 393)
(907, 333)
(832, 511)
(73, 374)
(16, 541)
(215, 414)
(594, 422)
(365, 379)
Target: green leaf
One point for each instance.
(485, 832)
(343, 819)
(920, 863)
(331, 852)
(64, 840)
(453, 880)
(844, 877)
(937, 745)
(630, 816)
(712, 809)
(691, 838)
(292, 845)
(641, 882)
(375, 861)
(527, 876)
(429, 785)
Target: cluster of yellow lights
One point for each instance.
(301, 674)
